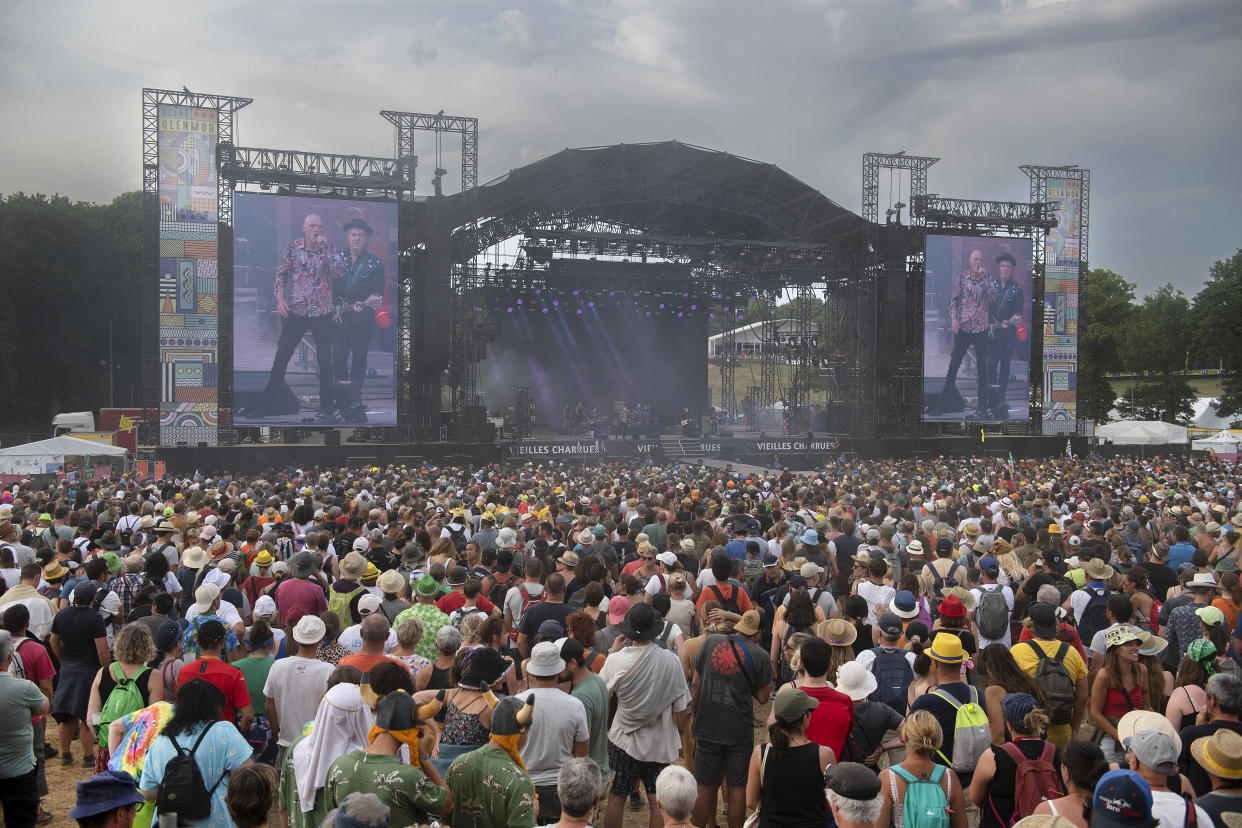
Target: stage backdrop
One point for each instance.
(1005, 315)
(1063, 258)
(265, 226)
(188, 287)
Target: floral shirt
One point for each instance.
(490, 789)
(189, 640)
(404, 789)
(432, 620)
(971, 298)
(304, 278)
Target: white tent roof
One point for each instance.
(1141, 432)
(62, 446)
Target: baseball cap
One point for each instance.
(989, 564)
(368, 604)
(1122, 799)
(792, 704)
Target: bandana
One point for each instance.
(406, 737)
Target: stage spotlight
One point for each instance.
(477, 309)
(680, 314)
(661, 306)
(509, 309)
(694, 307)
(579, 311)
(590, 304)
(545, 310)
(575, 293)
(519, 301)
(711, 316)
(556, 303)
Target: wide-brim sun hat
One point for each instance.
(856, 681)
(837, 631)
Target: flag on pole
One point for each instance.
(1069, 450)
(1012, 473)
(982, 438)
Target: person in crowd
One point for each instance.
(785, 777)
(922, 735)
(252, 790)
(1220, 756)
(79, 640)
(107, 800)
(1220, 711)
(295, 684)
(832, 717)
(951, 693)
(593, 692)
(1004, 678)
(676, 793)
(134, 648)
(873, 720)
(490, 786)
(20, 699)
(1151, 752)
(996, 780)
(411, 791)
(1119, 688)
(438, 676)
(577, 790)
(217, 747)
(342, 722)
(255, 667)
(1189, 694)
(466, 715)
(1082, 765)
(854, 795)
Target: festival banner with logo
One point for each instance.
(1063, 248)
(188, 278)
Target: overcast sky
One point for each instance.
(1144, 93)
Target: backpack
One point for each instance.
(1156, 606)
(972, 734)
(124, 699)
(992, 614)
(499, 588)
(458, 615)
(893, 558)
(728, 604)
(1137, 547)
(458, 537)
(1093, 617)
(940, 584)
(752, 570)
(183, 792)
(17, 667)
(527, 600)
(339, 602)
(893, 675)
(925, 804)
(1052, 675)
(1037, 781)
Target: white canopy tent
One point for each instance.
(1141, 433)
(1224, 442)
(35, 458)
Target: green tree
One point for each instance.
(1107, 307)
(1156, 344)
(1217, 319)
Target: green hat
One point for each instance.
(1203, 651)
(427, 586)
(1212, 616)
(792, 704)
(1227, 565)
(113, 559)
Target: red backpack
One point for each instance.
(1037, 781)
(527, 600)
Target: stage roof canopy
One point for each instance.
(668, 188)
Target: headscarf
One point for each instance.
(341, 725)
(1203, 651)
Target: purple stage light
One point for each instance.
(649, 313)
(612, 293)
(579, 311)
(575, 293)
(509, 309)
(590, 304)
(711, 316)
(661, 306)
(545, 310)
(680, 314)
(694, 307)
(519, 301)
(477, 309)
(556, 303)
(538, 291)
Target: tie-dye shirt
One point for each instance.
(141, 728)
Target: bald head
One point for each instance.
(374, 628)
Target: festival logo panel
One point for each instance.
(1062, 269)
(188, 280)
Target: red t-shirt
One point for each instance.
(831, 721)
(456, 600)
(36, 663)
(228, 678)
(298, 593)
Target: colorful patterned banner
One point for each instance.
(189, 326)
(1062, 263)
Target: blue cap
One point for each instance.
(103, 792)
(811, 538)
(771, 560)
(989, 564)
(1122, 799)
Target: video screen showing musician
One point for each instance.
(304, 285)
(359, 291)
(975, 327)
(313, 287)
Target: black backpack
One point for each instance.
(183, 792)
(728, 604)
(1093, 617)
(457, 536)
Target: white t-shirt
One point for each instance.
(560, 720)
(513, 599)
(1170, 809)
(1007, 638)
(41, 614)
(658, 742)
(295, 685)
(351, 639)
(226, 613)
(823, 600)
(875, 594)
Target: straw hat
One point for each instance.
(963, 594)
(1219, 754)
(837, 632)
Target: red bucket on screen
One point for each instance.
(383, 318)
(1021, 333)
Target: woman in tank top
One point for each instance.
(786, 779)
(1082, 765)
(1119, 688)
(1189, 696)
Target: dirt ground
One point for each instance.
(62, 781)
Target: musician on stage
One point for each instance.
(304, 286)
(1006, 314)
(973, 293)
(358, 293)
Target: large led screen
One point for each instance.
(976, 329)
(314, 316)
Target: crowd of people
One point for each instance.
(935, 642)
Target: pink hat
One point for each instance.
(617, 608)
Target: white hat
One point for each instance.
(309, 630)
(368, 604)
(361, 544)
(810, 569)
(265, 606)
(667, 558)
(915, 548)
(545, 660)
(586, 538)
(855, 681)
(204, 597)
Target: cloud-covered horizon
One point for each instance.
(1142, 92)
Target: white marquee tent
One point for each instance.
(1141, 433)
(34, 458)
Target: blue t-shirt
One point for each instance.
(1180, 553)
(222, 751)
(737, 548)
